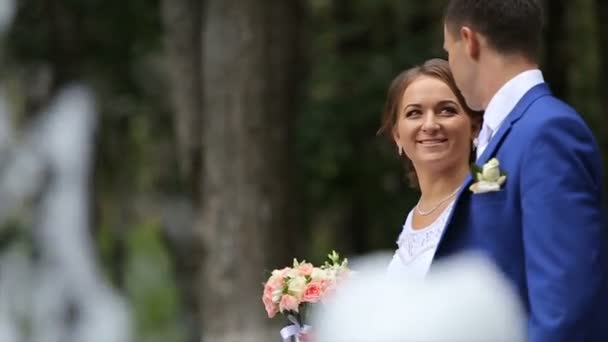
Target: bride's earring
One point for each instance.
(475, 142)
(400, 150)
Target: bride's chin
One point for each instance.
(437, 165)
(434, 159)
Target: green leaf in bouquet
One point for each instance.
(475, 170)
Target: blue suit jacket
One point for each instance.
(545, 228)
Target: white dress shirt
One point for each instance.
(503, 102)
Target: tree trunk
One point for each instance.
(249, 69)
(185, 253)
(182, 21)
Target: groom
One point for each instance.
(544, 226)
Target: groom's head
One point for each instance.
(474, 29)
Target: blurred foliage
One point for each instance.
(355, 49)
(351, 193)
(149, 280)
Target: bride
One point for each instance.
(434, 131)
(426, 117)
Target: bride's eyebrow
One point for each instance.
(446, 102)
(415, 105)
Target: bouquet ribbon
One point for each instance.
(293, 329)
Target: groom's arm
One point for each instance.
(564, 238)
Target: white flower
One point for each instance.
(276, 295)
(489, 177)
(483, 186)
(318, 274)
(491, 170)
(292, 273)
(296, 286)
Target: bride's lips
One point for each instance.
(431, 142)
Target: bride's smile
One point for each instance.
(432, 127)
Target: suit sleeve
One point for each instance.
(563, 232)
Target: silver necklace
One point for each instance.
(428, 212)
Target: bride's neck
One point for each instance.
(434, 186)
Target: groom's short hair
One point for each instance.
(510, 26)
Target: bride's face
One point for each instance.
(432, 127)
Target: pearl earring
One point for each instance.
(400, 150)
(475, 141)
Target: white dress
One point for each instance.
(416, 247)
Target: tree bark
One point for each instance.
(249, 69)
(182, 20)
(182, 23)
(185, 253)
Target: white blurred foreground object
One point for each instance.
(464, 299)
(60, 296)
(7, 12)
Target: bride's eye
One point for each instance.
(449, 110)
(412, 114)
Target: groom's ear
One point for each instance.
(471, 41)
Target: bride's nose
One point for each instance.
(429, 123)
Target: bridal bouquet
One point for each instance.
(291, 290)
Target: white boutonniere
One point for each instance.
(488, 178)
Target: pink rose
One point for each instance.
(274, 283)
(314, 291)
(272, 286)
(268, 291)
(305, 269)
(273, 289)
(280, 273)
(288, 303)
(271, 308)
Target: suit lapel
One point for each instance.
(517, 112)
(519, 109)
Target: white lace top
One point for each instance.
(416, 247)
